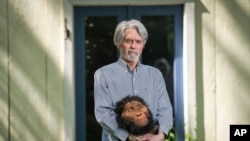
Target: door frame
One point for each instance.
(189, 77)
(133, 12)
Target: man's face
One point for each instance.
(131, 46)
(136, 113)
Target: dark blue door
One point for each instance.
(94, 47)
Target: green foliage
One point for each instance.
(171, 135)
(188, 137)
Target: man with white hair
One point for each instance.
(126, 77)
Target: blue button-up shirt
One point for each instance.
(115, 81)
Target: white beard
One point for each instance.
(131, 56)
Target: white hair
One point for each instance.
(123, 25)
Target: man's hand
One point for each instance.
(148, 137)
(158, 137)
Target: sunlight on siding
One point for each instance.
(36, 70)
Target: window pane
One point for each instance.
(100, 50)
(159, 49)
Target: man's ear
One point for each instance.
(118, 46)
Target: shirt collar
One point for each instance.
(124, 65)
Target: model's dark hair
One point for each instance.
(120, 104)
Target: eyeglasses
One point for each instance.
(131, 41)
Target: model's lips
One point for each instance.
(141, 119)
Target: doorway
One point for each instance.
(94, 47)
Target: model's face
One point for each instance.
(131, 46)
(136, 113)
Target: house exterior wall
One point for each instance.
(4, 111)
(223, 66)
(36, 68)
(32, 72)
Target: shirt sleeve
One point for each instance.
(104, 108)
(164, 110)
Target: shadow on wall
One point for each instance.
(219, 46)
(240, 22)
(34, 93)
